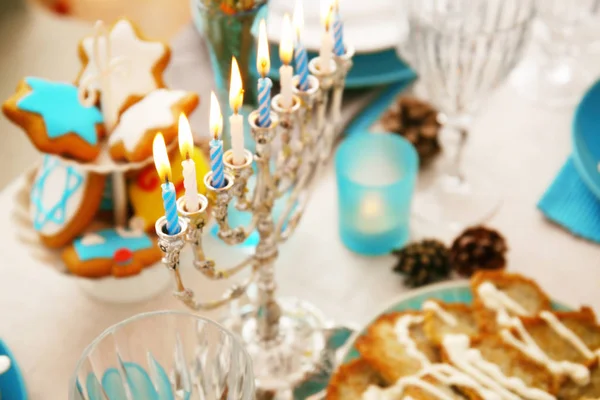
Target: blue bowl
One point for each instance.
(586, 139)
(12, 385)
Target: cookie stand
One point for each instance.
(116, 260)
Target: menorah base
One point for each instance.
(282, 363)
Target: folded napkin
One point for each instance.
(569, 203)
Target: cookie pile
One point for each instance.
(509, 344)
(112, 111)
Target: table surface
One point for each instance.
(47, 320)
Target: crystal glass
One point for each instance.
(164, 355)
(376, 175)
(461, 50)
(553, 75)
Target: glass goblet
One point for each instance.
(164, 355)
(461, 50)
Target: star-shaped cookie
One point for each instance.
(159, 111)
(54, 118)
(140, 72)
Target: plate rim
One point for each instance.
(453, 284)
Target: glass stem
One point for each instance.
(454, 137)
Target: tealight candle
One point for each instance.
(161, 161)
(327, 41)
(216, 144)
(338, 32)
(186, 148)
(286, 51)
(263, 65)
(300, 56)
(236, 121)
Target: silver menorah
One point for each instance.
(284, 338)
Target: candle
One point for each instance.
(216, 144)
(338, 32)
(286, 52)
(161, 161)
(263, 65)
(372, 216)
(327, 40)
(236, 121)
(301, 58)
(186, 148)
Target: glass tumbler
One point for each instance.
(376, 176)
(164, 355)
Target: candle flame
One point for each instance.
(215, 118)
(298, 18)
(161, 158)
(286, 47)
(263, 61)
(186, 140)
(236, 90)
(326, 13)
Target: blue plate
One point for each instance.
(449, 292)
(369, 69)
(12, 385)
(586, 139)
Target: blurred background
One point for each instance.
(39, 37)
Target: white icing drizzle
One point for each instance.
(568, 335)
(403, 334)
(498, 300)
(92, 239)
(130, 234)
(442, 314)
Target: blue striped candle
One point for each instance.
(264, 102)
(170, 204)
(338, 36)
(301, 66)
(216, 163)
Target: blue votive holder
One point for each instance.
(376, 175)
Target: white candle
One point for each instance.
(186, 147)
(236, 121)
(326, 50)
(286, 52)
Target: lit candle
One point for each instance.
(216, 144)
(263, 65)
(372, 217)
(186, 147)
(236, 121)
(327, 40)
(338, 32)
(300, 54)
(161, 161)
(286, 52)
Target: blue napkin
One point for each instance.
(569, 203)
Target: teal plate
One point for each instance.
(12, 385)
(449, 292)
(586, 139)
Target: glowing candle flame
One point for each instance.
(186, 140)
(286, 47)
(263, 61)
(236, 90)
(298, 18)
(161, 158)
(215, 117)
(326, 13)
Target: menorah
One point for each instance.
(284, 340)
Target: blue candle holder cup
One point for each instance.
(376, 176)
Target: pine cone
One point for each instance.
(423, 262)
(478, 248)
(416, 121)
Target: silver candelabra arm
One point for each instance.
(325, 79)
(343, 63)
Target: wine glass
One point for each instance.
(164, 355)
(461, 50)
(553, 75)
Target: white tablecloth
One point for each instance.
(47, 320)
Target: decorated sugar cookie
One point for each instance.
(54, 118)
(145, 193)
(118, 252)
(142, 66)
(159, 111)
(64, 201)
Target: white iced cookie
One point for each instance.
(140, 72)
(159, 111)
